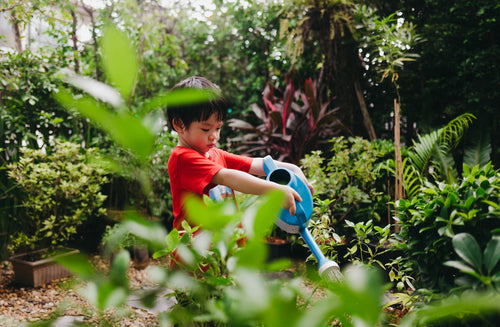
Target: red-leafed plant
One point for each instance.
(291, 124)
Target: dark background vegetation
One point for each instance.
(244, 46)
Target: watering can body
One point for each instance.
(287, 222)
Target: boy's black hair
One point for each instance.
(199, 111)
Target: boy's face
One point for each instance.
(201, 135)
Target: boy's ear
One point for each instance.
(178, 125)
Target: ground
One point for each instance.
(19, 304)
(28, 304)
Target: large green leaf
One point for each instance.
(492, 254)
(78, 264)
(460, 265)
(151, 232)
(98, 90)
(466, 247)
(453, 307)
(267, 213)
(178, 97)
(119, 268)
(422, 151)
(124, 128)
(213, 217)
(478, 149)
(119, 60)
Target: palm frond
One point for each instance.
(422, 151)
(478, 150)
(444, 162)
(436, 146)
(453, 132)
(411, 178)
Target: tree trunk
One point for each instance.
(364, 111)
(398, 161)
(17, 32)
(74, 39)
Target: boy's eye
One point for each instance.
(205, 129)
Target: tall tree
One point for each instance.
(330, 24)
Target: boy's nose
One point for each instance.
(214, 136)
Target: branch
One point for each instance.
(9, 8)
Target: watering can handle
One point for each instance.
(301, 214)
(269, 165)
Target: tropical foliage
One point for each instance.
(431, 219)
(291, 124)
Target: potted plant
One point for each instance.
(117, 238)
(61, 190)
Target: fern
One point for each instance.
(478, 150)
(434, 149)
(412, 179)
(453, 132)
(421, 155)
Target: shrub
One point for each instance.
(431, 219)
(347, 183)
(61, 191)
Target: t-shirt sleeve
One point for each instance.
(238, 162)
(196, 171)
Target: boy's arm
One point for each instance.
(257, 168)
(246, 183)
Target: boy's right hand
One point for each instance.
(290, 196)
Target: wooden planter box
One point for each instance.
(38, 272)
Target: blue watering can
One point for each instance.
(297, 224)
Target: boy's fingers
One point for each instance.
(296, 195)
(292, 210)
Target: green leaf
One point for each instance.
(453, 307)
(119, 60)
(97, 89)
(460, 265)
(78, 264)
(151, 232)
(254, 254)
(212, 217)
(125, 129)
(267, 213)
(119, 268)
(172, 239)
(492, 254)
(466, 247)
(178, 97)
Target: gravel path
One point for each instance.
(20, 304)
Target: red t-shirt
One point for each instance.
(192, 172)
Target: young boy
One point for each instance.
(196, 165)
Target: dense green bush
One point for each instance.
(61, 190)
(431, 219)
(350, 184)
